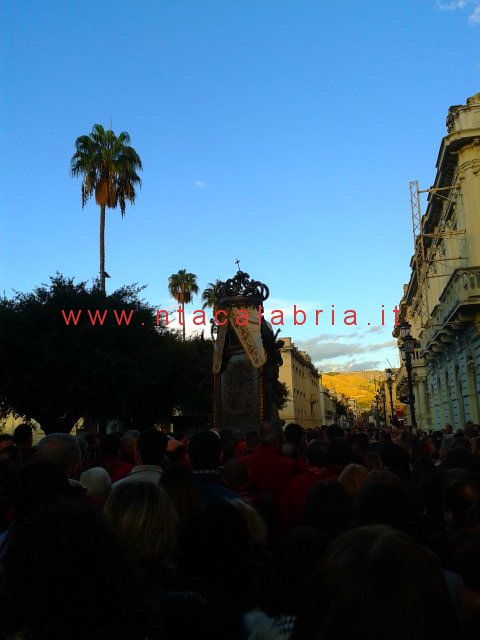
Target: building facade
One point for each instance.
(328, 405)
(303, 382)
(442, 298)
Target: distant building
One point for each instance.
(328, 405)
(442, 298)
(353, 409)
(303, 382)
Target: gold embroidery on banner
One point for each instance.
(249, 345)
(249, 336)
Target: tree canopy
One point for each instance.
(109, 167)
(70, 352)
(182, 287)
(208, 296)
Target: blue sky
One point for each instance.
(283, 133)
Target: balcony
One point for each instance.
(457, 304)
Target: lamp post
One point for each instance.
(407, 348)
(377, 410)
(383, 400)
(389, 380)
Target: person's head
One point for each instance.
(445, 446)
(295, 557)
(341, 452)
(175, 450)
(351, 479)
(179, 482)
(375, 582)
(385, 436)
(8, 448)
(334, 431)
(214, 545)
(23, 435)
(270, 433)
(328, 508)
(64, 575)
(423, 466)
(235, 474)
(372, 460)
(110, 444)
(395, 458)
(152, 445)
(144, 518)
(386, 504)
(360, 442)
(128, 445)
(204, 449)
(471, 430)
(97, 482)
(380, 476)
(39, 482)
(459, 440)
(467, 565)
(6, 440)
(294, 438)
(461, 490)
(319, 454)
(294, 434)
(457, 458)
(61, 449)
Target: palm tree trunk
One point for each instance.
(102, 248)
(183, 309)
(183, 314)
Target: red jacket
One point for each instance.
(270, 471)
(292, 506)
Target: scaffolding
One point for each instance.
(425, 256)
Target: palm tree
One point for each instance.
(109, 169)
(208, 296)
(182, 286)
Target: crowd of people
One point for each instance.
(275, 534)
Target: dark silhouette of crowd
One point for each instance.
(273, 534)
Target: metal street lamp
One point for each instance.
(407, 349)
(404, 329)
(383, 400)
(389, 380)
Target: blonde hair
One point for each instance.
(256, 527)
(144, 518)
(352, 477)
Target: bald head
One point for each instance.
(62, 450)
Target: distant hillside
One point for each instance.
(355, 384)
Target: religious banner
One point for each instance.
(245, 321)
